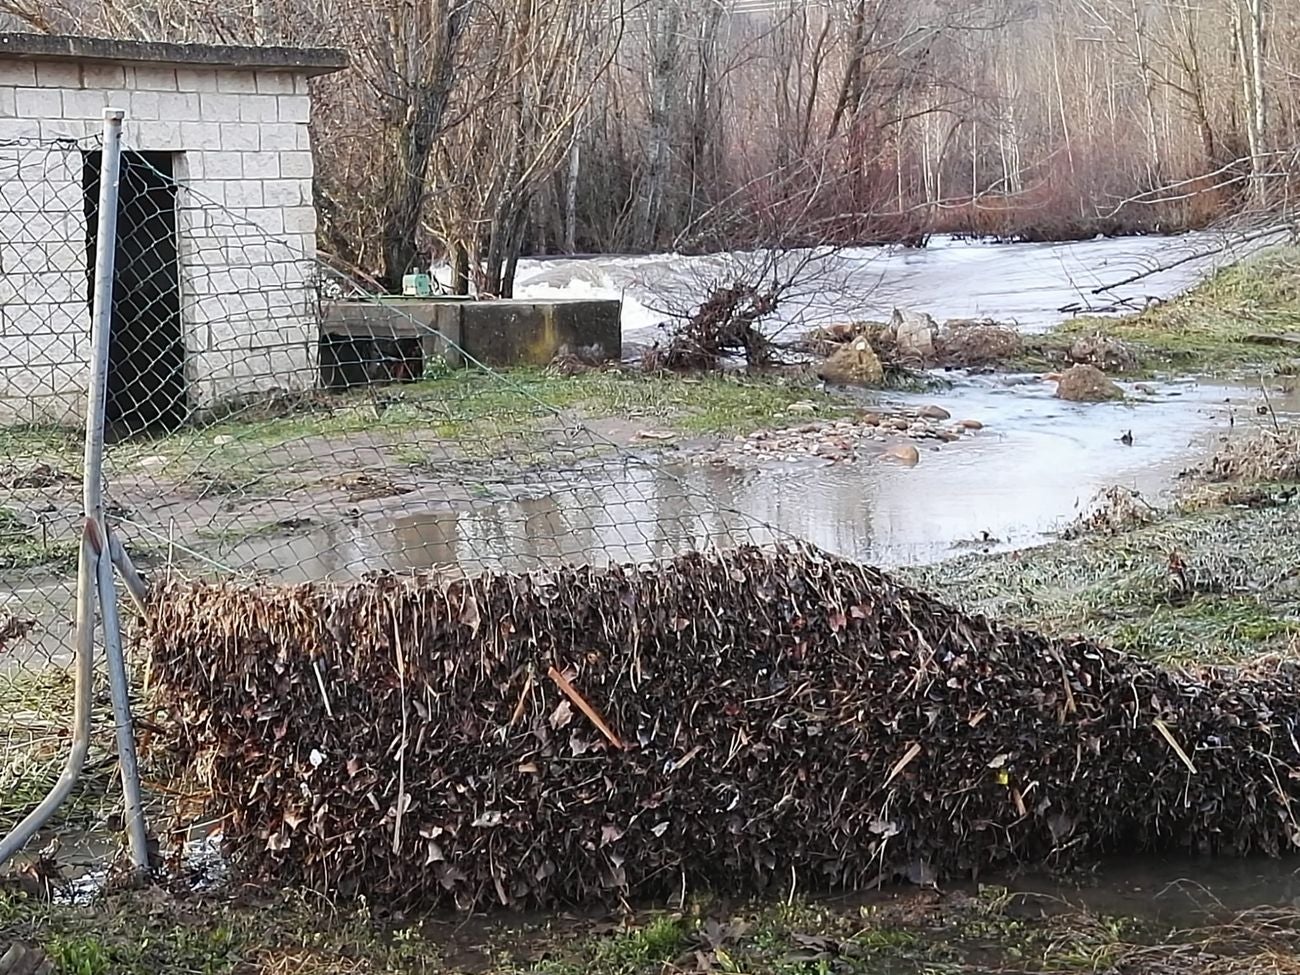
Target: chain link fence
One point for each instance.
(267, 417)
(45, 282)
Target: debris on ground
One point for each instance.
(848, 439)
(911, 335)
(746, 720)
(1086, 384)
(1262, 455)
(13, 628)
(579, 360)
(824, 340)
(1107, 354)
(39, 475)
(969, 344)
(1112, 510)
(724, 326)
(912, 341)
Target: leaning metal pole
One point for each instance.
(83, 665)
(94, 546)
(101, 325)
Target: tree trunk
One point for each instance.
(1259, 93)
(571, 195)
(665, 31)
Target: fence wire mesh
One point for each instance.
(46, 256)
(268, 417)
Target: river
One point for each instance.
(1033, 286)
(1035, 464)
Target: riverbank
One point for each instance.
(1210, 579)
(1244, 318)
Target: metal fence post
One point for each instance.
(101, 324)
(83, 667)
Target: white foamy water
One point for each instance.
(1033, 286)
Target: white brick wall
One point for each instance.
(245, 222)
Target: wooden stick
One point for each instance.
(523, 701)
(903, 762)
(1178, 749)
(572, 694)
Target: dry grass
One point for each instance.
(1111, 511)
(1265, 455)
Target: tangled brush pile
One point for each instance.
(730, 720)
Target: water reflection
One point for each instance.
(1027, 474)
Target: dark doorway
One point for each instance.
(146, 359)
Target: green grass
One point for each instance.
(1205, 330)
(151, 931)
(25, 546)
(481, 415)
(1118, 588)
(36, 709)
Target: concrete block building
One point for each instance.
(214, 295)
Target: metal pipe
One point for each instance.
(93, 487)
(135, 585)
(119, 690)
(94, 547)
(82, 678)
(102, 318)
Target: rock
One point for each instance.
(1086, 384)
(947, 436)
(971, 425)
(1145, 389)
(222, 440)
(903, 453)
(871, 420)
(855, 364)
(902, 426)
(933, 412)
(1103, 352)
(913, 334)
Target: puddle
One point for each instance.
(1178, 890)
(1024, 476)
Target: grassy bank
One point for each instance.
(1217, 328)
(991, 930)
(1217, 584)
(462, 407)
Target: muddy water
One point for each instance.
(1024, 476)
(1181, 890)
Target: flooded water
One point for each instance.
(1032, 285)
(1037, 461)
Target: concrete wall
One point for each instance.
(246, 224)
(44, 336)
(495, 333)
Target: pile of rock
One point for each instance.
(857, 353)
(871, 435)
